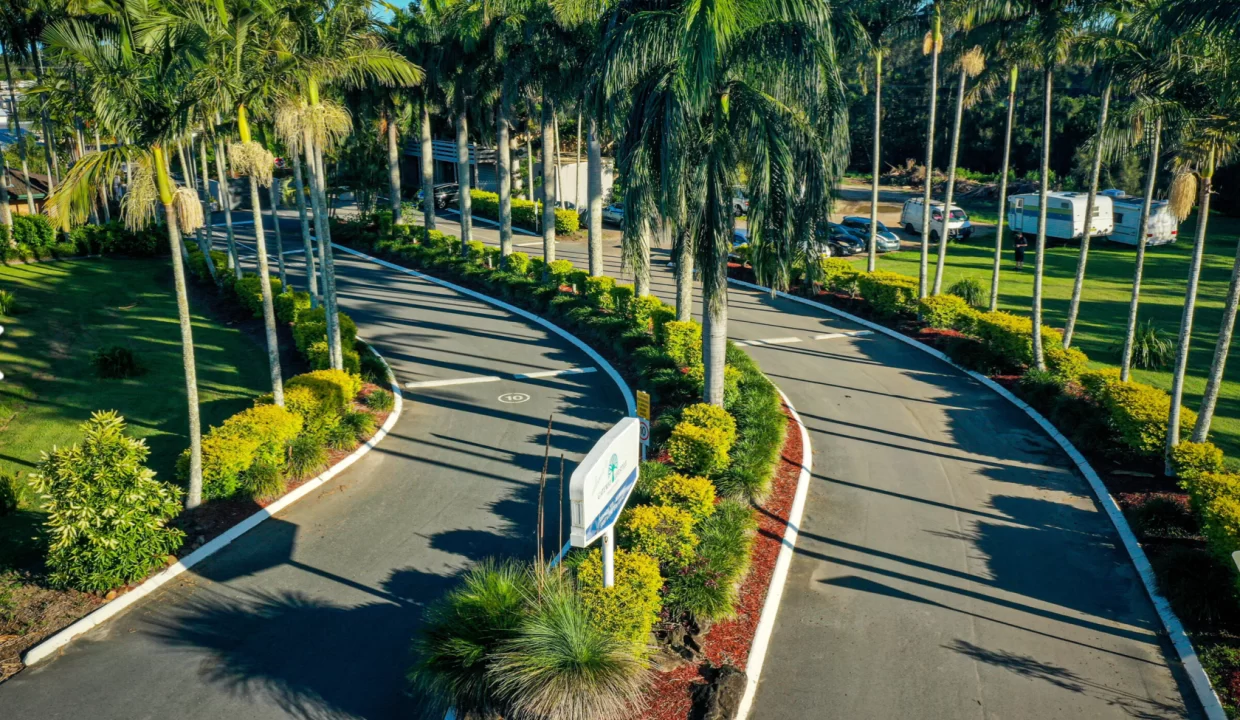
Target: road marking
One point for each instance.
(496, 378)
(854, 333)
(790, 340)
(513, 398)
(235, 223)
(530, 244)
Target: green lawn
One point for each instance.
(1104, 305)
(73, 308)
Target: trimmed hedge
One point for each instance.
(890, 294)
(943, 311)
(233, 450)
(630, 607)
(1137, 412)
(660, 531)
(525, 213)
(334, 389)
(698, 450)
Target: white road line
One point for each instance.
(554, 373)
(531, 244)
(235, 223)
(497, 378)
(770, 341)
(790, 340)
(854, 333)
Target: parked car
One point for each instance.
(614, 213)
(445, 194)
(885, 240)
(842, 242)
(740, 203)
(958, 227)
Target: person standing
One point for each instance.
(1020, 243)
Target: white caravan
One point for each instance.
(1065, 215)
(1161, 227)
(958, 227)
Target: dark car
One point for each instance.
(842, 242)
(445, 193)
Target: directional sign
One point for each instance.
(602, 482)
(643, 405)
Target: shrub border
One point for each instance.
(56, 642)
(1171, 623)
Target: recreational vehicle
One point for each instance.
(1065, 215)
(958, 227)
(1160, 228)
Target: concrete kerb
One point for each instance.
(775, 591)
(1175, 629)
(58, 641)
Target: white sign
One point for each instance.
(602, 482)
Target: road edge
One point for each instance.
(783, 563)
(1171, 623)
(58, 641)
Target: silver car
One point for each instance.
(885, 240)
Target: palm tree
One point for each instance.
(879, 21)
(420, 41)
(145, 95)
(970, 65)
(766, 95)
(932, 46)
(12, 42)
(1151, 174)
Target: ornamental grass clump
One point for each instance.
(107, 515)
(707, 588)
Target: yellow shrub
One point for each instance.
(889, 293)
(660, 531)
(942, 311)
(693, 494)
(1207, 486)
(711, 416)
(258, 436)
(1191, 459)
(1220, 523)
(1138, 412)
(697, 450)
(629, 608)
(683, 342)
(334, 388)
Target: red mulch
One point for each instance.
(670, 698)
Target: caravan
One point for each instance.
(1065, 215)
(1161, 227)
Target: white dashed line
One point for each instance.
(497, 378)
(553, 373)
(790, 340)
(832, 336)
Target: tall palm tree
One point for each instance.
(932, 46)
(12, 46)
(420, 40)
(750, 83)
(146, 95)
(969, 65)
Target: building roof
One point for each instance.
(18, 187)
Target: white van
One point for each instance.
(1161, 227)
(1065, 215)
(958, 227)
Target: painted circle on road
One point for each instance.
(512, 398)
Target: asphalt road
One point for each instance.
(951, 564)
(311, 614)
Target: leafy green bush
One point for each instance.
(311, 327)
(942, 311)
(662, 532)
(116, 362)
(1041, 388)
(683, 342)
(760, 431)
(630, 607)
(567, 221)
(969, 290)
(621, 295)
(198, 263)
(1191, 459)
(335, 389)
(698, 450)
(890, 294)
(659, 318)
(695, 495)
(642, 309)
(319, 357)
(8, 302)
(360, 423)
(558, 272)
(34, 230)
(711, 417)
(834, 271)
(106, 513)
(379, 400)
(265, 481)
(1199, 586)
(731, 383)
(1011, 336)
(255, 437)
(1137, 412)
(64, 250)
(518, 263)
(10, 493)
(707, 588)
(307, 456)
(249, 291)
(597, 291)
(289, 305)
(1152, 349)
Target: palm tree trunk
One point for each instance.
(193, 497)
(924, 269)
(1190, 305)
(323, 232)
(49, 140)
(273, 195)
(504, 169)
(1215, 379)
(1003, 182)
(222, 190)
(577, 166)
(393, 158)
(21, 142)
(204, 197)
(529, 166)
(462, 178)
(6, 212)
(81, 153)
(1039, 259)
(312, 282)
(1125, 368)
(715, 334)
(549, 178)
(594, 194)
(684, 277)
(872, 260)
(103, 190)
(269, 313)
(641, 258)
(1079, 284)
(945, 233)
(428, 171)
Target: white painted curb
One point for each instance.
(1175, 630)
(629, 401)
(775, 591)
(54, 643)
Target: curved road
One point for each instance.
(311, 614)
(950, 564)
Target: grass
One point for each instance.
(1104, 304)
(71, 309)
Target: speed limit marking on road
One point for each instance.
(513, 398)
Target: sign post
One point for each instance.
(600, 487)
(643, 415)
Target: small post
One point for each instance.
(609, 558)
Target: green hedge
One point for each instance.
(890, 294)
(525, 213)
